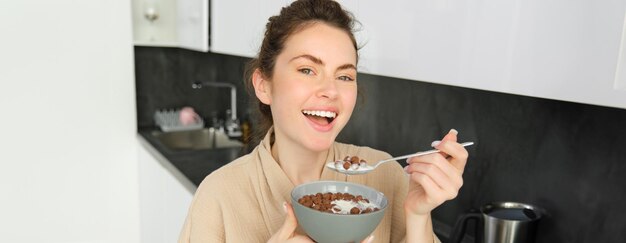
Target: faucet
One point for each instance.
(232, 124)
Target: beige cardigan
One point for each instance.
(242, 201)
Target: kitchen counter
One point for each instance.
(189, 166)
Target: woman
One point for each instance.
(305, 81)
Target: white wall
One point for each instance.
(68, 153)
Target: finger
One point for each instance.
(432, 171)
(301, 238)
(451, 136)
(452, 173)
(434, 194)
(290, 224)
(449, 185)
(369, 239)
(443, 173)
(457, 154)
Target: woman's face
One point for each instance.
(313, 91)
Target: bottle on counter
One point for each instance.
(245, 130)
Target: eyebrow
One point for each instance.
(346, 66)
(320, 62)
(311, 58)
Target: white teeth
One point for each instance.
(320, 113)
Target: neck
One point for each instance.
(299, 164)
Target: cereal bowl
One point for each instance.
(330, 227)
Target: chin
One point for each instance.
(320, 145)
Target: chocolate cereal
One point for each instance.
(351, 163)
(338, 203)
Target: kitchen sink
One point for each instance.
(200, 139)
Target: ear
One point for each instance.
(262, 88)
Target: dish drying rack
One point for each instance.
(169, 121)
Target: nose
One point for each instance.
(328, 88)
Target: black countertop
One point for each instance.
(194, 164)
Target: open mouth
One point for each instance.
(320, 117)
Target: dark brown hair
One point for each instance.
(291, 19)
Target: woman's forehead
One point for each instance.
(322, 41)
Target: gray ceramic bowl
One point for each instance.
(328, 227)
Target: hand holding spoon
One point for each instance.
(365, 168)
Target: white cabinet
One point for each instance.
(565, 50)
(620, 74)
(154, 23)
(237, 26)
(558, 49)
(193, 24)
(164, 198)
(171, 23)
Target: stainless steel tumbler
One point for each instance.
(501, 222)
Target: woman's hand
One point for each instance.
(287, 233)
(435, 178)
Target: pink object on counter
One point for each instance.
(188, 116)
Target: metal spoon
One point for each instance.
(364, 169)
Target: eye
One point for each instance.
(345, 78)
(306, 71)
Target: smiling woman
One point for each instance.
(305, 56)
(310, 75)
(305, 82)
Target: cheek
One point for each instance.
(289, 92)
(288, 96)
(349, 96)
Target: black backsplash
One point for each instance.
(164, 77)
(567, 158)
